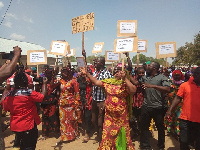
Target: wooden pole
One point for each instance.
(112, 67)
(138, 58)
(83, 44)
(37, 70)
(166, 62)
(123, 62)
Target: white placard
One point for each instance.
(58, 47)
(141, 45)
(98, 47)
(37, 57)
(111, 56)
(127, 27)
(166, 49)
(80, 61)
(124, 45)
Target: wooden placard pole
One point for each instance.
(138, 58)
(83, 42)
(38, 71)
(123, 62)
(112, 67)
(166, 62)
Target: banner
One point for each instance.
(110, 56)
(59, 48)
(142, 46)
(98, 47)
(126, 28)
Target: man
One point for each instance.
(6, 71)
(156, 85)
(98, 97)
(189, 117)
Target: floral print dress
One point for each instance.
(116, 117)
(69, 106)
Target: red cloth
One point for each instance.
(23, 111)
(189, 91)
(178, 72)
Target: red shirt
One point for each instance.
(23, 110)
(189, 91)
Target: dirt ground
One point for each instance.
(50, 143)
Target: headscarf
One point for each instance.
(120, 65)
(178, 72)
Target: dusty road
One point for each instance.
(50, 143)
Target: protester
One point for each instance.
(155, 86)
(98, 98)
(172, 124)
(20, 102)
(5, 72)
(116, 128)
(138, 98)
(69, 106)
(49, 106)
(85, 90)
(188, 93)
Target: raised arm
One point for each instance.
(131, 89)
(92, 79)
(7, 71)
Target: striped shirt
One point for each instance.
(98, 93)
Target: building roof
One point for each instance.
(6, 45)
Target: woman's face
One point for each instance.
(66, 74)
(177, 77)
(117, 73)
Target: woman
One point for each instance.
(85, 90)
(49, 106)
(69, 106)
(173, 123)
(24, 119)
(116, 130)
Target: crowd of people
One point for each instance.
(119, 104)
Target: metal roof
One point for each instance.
(6, 45)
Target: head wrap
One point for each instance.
(120, 65)
(66, 68)
(178, 72)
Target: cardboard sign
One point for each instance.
(126, 28)
(81, 62)
(83, 23)
(142, 46)
(110, 56)
(72, 53)
(165, 49)
(59, 48)
(36, 57)
(98, 47)
(126, 45)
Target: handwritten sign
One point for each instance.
(165, 49)
(126, 45)
(72, 53)
(142, 46)
(110, 56)
(83, 23)
(98, 47)
(36, 57)
(59, 48)
(81, 62)
(126, 28)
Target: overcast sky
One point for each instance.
(42, 21)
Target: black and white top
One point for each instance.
(97, 92)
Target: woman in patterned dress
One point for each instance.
(69, 106)
(49, 106)
(116, 130)
(172, 124)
